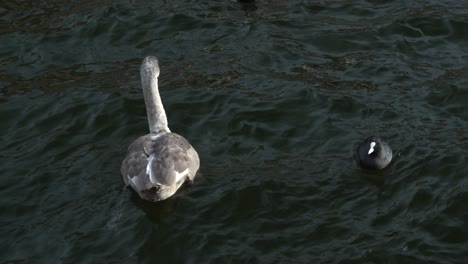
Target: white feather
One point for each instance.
(149, 171)
(154, 137)
(372, 145)
(181, 174)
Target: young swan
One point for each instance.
(373, 153)
(157, 164)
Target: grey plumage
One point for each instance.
(157, 164)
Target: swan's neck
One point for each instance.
(155, 110)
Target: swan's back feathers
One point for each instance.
(161, 160)
(172, 159)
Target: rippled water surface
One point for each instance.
(274, 95)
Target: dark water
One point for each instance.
(274, 95)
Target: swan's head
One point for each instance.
(150, 66)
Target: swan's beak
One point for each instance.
(371, 149)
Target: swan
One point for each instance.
(373, 153)
(157, 164)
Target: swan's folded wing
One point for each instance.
(168, 165)
(172, 159)
(134, 166)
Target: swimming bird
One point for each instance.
(157, 164)
(373, 153)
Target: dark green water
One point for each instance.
(273, 95)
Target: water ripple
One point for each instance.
(274, 96)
